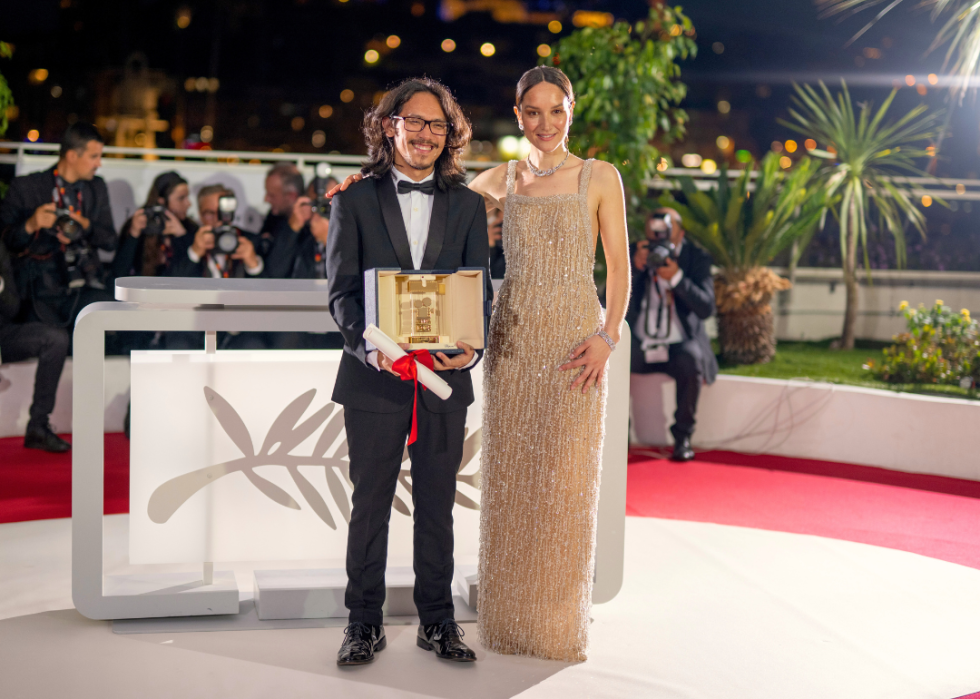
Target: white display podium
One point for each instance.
(262, 305)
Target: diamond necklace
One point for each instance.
(545, 173)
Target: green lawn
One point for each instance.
(817, 362)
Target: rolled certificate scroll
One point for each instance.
(389, 347)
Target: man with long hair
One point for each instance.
(412, 210)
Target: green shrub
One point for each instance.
(939, 347)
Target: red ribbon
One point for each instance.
(408, 370)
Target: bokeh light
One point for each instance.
(791, 146)
(448, 45)
(33, 135)
(691, 160)
(554, 26)
(544, 50)
(393, 41)
(724, 106)
(723, 142)
(926, 201)
(319, 138)
(709, 166)
(371, 56)
(488, 49)
(785, 162)
(325, 111)
(810, 144)
(347, 96)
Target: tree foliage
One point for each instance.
(6, 96)
(745, 226)
(627, 88)
(865, 154)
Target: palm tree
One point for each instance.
(961, 29)
(744, 226)
(864, 153)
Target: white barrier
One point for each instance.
(823, 421)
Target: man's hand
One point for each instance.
(320, 228)
(43, 217)
(138, 223)
(342, 187)
(173, 226)
(669, 269)
(441, 362)
(246, 253)
(300, 214)
(386, 363)
(80, 220)
(495, 227)
(203, 241)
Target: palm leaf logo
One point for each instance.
(285, 434)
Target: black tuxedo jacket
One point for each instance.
(367, 231)
(694, 298)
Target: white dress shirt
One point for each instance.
(658, 323)
(417, 214)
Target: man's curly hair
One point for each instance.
(449, 170)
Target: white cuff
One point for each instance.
(676, 279)
(194, 257)
(372, 359)
(257, 269)
(471, 362)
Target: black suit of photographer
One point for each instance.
(367, 230)
(182, 265)
(692, 361)
(20, 341)
(39, 258)
(130, 259)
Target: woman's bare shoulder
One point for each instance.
(491, 180)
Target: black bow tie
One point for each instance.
(424, 187)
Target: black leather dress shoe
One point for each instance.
(361, 643)
(683, 450)
(446, 640)
(43, 437)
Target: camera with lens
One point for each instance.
(66, 225)
(225, 234)
(83, 266)
(661, 247)
(156, 219)
(320, 204)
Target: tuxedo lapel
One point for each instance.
(437, 229)
(392, 214)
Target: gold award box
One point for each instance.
(428, 310)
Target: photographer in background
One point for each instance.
(19, 341)
(287, 221)
(673, 294)
(52, 222)
(151, 238)
(219, 250)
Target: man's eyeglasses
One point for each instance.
(414, 124)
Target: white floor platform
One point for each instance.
(706, 612)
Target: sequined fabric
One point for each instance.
(542, 443)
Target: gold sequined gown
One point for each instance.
(542, 443)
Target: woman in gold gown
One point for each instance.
(545, 381)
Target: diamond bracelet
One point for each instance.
(602, 333)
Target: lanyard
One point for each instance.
(655, 334)
(60, 189)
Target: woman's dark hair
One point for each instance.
(153, 252)
(449, 168)
(163, 186)
(544, 74)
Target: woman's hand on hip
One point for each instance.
(593, 355)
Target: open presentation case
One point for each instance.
(430, 310)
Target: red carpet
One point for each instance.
(930, 515)
(37, 485)
(884, 508)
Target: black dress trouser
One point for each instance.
(684, 366)
(376, 443)
(20, 341)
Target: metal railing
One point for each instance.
(11, 152)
